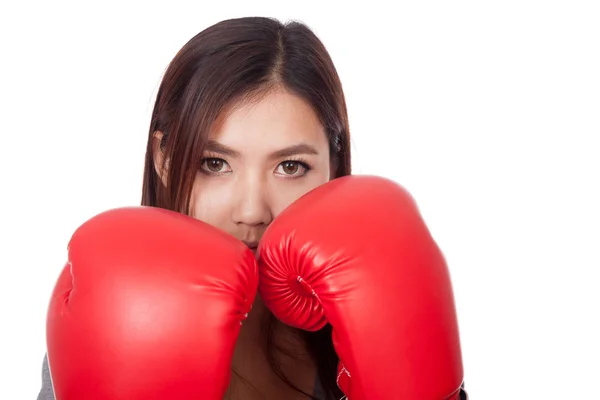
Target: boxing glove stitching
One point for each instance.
(308, 288)
(68, 295)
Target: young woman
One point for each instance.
(250, 115)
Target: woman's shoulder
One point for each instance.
(47, 392)
(463, 392)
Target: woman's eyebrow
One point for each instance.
(216, 147)
(301, 148)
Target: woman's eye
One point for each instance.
(215, 165)
(292, 168)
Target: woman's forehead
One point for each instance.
(277, 120)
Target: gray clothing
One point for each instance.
(47, 393)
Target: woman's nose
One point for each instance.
(252, 203)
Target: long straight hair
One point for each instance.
(232, 61)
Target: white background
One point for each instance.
(488, 112)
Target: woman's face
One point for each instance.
(260, 158)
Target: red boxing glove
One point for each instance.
(148, 307)
(356, 253)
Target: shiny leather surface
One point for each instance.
(148, 307)
(356, 253)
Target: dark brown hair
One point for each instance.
(232, 61)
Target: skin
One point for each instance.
(261, 157)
